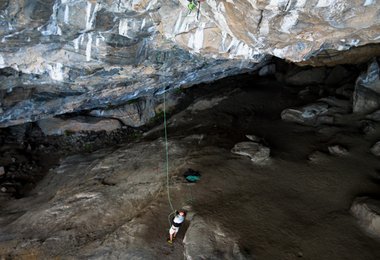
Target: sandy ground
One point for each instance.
(291, 208)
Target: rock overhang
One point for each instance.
(96, 53)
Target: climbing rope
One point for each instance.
(167, 158)
(199, 9)
(167, 167)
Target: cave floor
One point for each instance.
(292, 207)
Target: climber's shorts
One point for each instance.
(173, 230)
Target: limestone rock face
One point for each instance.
(88, 198)
(207, 240)
(64, 56)
(205, 104)
(367, 90)
(295, 30)
(68, 56)
(375, 149)
(57, 126)
(134, 114)
(375, 116)
(367, 211)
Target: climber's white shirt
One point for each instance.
(179, 219)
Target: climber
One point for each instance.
(192, 5)
(176, 223)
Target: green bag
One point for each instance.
(192, 178)
(191, 6)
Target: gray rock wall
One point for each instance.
(63, 56)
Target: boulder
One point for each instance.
(205, 104)
(367, 90)
(365, 101)
(308, 115)
(134, 114)
(208, 240)
(317, 157)
(368, 127)
(337, 150)
(257, 152)
(375, 116)
(58, 126)
(367, 212)
(375, 149)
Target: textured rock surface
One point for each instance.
(309, 115)
(367, 211)
(62, 56)
(112, 204)
(375, 116)
(317, 157)
(337, 150)
(207, 240)
(375, 149)
(307, 77)
(294, 30)
(139, 112)
(135, 114)
(257, 152)
(85, 198)
(57, 126)
(205, 104)
(367, 90)
(84, 55)
(325, 111)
